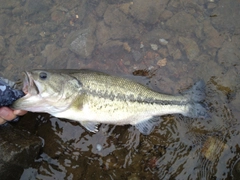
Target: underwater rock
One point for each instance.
(190, 47)
(236, 170)
(83, 43)
(182, 22)
(18, 150)
(147, 11)
(212, 148)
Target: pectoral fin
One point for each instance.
(146, 127)
(90, 126)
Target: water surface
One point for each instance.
(172, 43)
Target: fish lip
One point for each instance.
(29, 86)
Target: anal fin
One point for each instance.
(90, 126)
(147, 126)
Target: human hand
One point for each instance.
(7, 114)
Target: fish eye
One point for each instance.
(43, 75)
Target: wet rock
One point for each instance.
(33, 33)
(39, 61)
(8, 171)
(49, 27)
(229, 54)
(102, 33)
(17, 151)
(182, 22)
(227, 81)
(147, 11)
(211, 5)
(82, 43)
(117, 2)
(166, 15)
(35, 6)
(28, 35)
(2, 46)
(227, 16)
(56, 57)
(4, 23)
(212, 148)
(154, 36)
(163, 52)
(9, 4)
(172, 49)
(101, 8)
(166, 85)
(111, 45)
(162, 62)
(154, 47)
(81, 9)
(212, 37)
(49, 49)
(177, 54)
(207, 67)
(190, 47)
(235, 104)
(125, 7)
(236, 170)
(163, 42)
(58, 16)
(127, 47)
(120, 26)
(137, 55)
(53, 142)
(133, 176)
(174, 4)
(18, 11)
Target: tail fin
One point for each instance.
(196, 108)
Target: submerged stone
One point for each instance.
(17, 151)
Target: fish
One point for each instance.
(93, 97)
(8, 93)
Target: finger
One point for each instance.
(2, 121)
(6, 113)
(19, 112)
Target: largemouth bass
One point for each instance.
(92, 97)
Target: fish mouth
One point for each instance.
(29, 85)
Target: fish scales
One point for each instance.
(92, 97)
(103, 85)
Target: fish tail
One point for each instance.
(196, 96)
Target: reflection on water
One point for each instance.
(204, 150)
(173, 43)
(69, 149)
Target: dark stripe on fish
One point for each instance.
(122, 97)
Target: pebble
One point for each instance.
(136, 55)
(163, 42)
(154, 47)
(212, 148)
(141, 45)
(126, 47)
(162, 62)
(127, 63)
(211, 5)
(99, 147)
(190, 46)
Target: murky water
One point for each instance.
(199, 40)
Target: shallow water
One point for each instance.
(202, 42)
